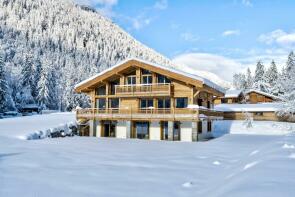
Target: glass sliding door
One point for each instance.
(142, 130)
(164, 130)
(176, 131)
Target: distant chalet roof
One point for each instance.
(192, 76)
(260, 107)
(232, 93)
(263, 93)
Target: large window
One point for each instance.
(164, 127)
(114, 103)
(146, 103)
(200, 127)
(142, 130)
(163, 79)
(181, 102)
(101, 103)
(113, 87)
(147, 79)
(164, 103)
(101, 90)
(209, 125)
(176, 131)
(131, 80)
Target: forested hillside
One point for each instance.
(47, 46)
(272, 80)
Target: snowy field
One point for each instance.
(231, 165)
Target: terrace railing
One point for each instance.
(147, 114)
(157, 89)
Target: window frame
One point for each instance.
(103, 88)
(133, 79)
(185, 102)
(98, 101)
(147, 102)
(165, 79)
(165, 102)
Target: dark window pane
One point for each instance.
(164, 103)
(131, 80)
(101, 103)
(142, 130)
(147, 79)
(199, 127)
(146, 103)
(163, 79)
(144, 72)
(114, 103)
(101, 90)
(181, 102)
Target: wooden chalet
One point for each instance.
(140, 99)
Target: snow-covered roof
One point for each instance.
(30, 106)
(261, 107)
(263, 93)
(196, 77)
(232, 93)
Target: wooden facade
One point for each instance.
(251, 96)
(136, 90)
(123, 89)
(254, 97)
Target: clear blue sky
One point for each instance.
(233, 34)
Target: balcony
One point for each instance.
(143, 90)
(148, 114)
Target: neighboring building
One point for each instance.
(140, 99)
(256, 96)
(261, 111)
(251, 96)
(230, 96)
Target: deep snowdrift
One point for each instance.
(231, 165)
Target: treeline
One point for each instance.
(47, 47)
(271, 80)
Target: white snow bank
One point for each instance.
(81, 166)
(37, 126)
(222, 127)
(261, 107)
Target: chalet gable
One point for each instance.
(129, 65)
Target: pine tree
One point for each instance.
(271, 77)
(44, 87)
(249, 79)
(290, 66)
(259, 72)
(239, 81)
(36, 78)
(3, 85)
(259, 78)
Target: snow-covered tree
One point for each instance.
(249, 79)
(259, 81)
(287, 81)
(44, 87)
(239, 81)
(6, 102)
(79, 42)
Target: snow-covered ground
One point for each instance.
(20, 127)
(231, 165)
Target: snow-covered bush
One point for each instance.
(248, 123)
(63, 130)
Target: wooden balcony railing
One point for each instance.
(143, 90)
(147, 114)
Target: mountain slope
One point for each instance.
(65, 43)
(71, 42)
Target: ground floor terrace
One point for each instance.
(151, 130)
(153, 124)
